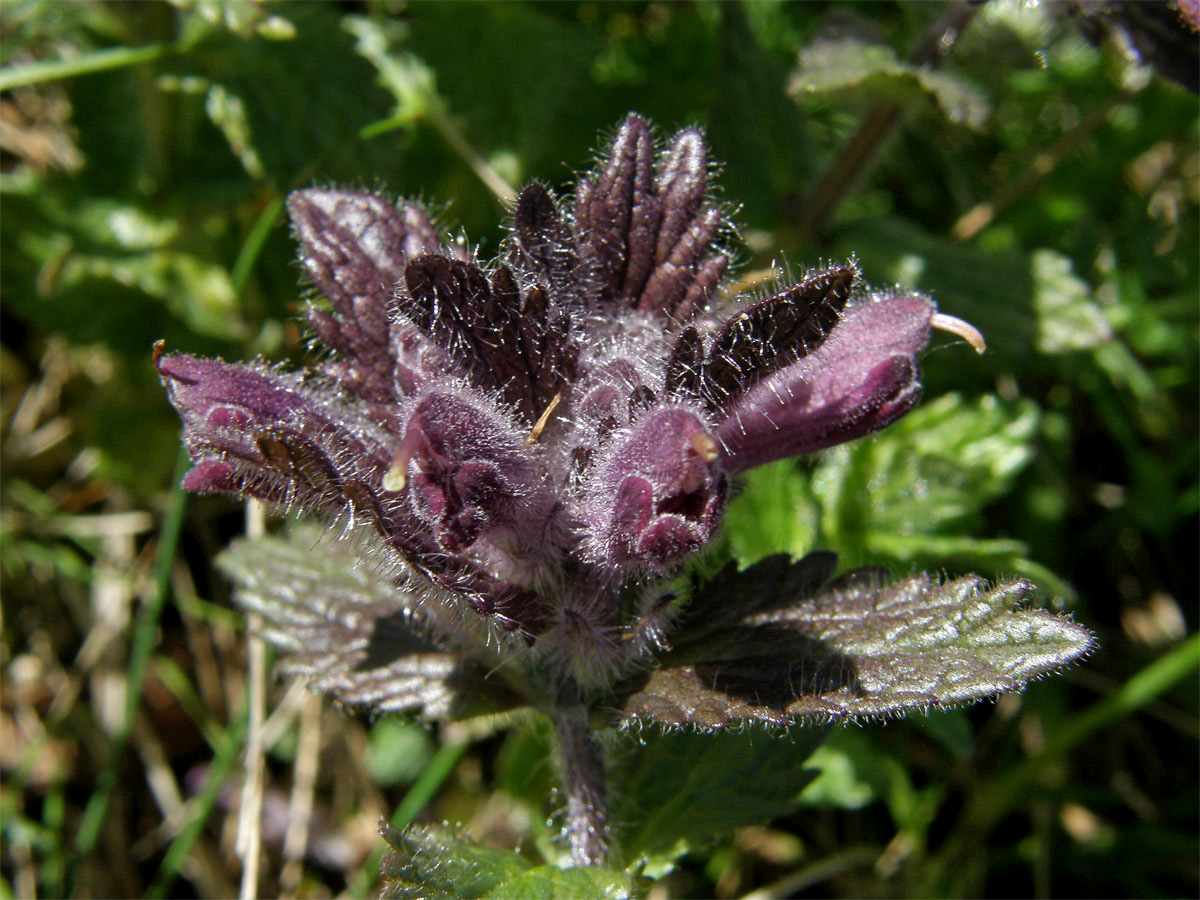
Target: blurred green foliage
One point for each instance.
(1039, 187)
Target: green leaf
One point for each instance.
(840, 64)
(521, 109)
(228, 113)
(914, 494)
(677, 789)
(848, 771)
(774, 512)
(291, 109)
(403, 75)
(590, 883)
(95, 61)
(87, 253)
(932, 472)
(397, 751)
(526, 771)
(525, 767)
(918, 493)
(198, 292)
(440, 863)
(1068, 318)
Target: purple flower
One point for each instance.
(544, 437)
(537, 443)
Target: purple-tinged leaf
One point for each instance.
(685, 365)
(355, 246)
(776, 331)
(855, 647)
(541, 243)
(521, 349)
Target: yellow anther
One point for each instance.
(705, 447)
(540, 424)
(396, 477)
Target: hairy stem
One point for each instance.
(585, 784)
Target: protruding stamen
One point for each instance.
(705, 447)
(396, 477)
(964, 330)
(540, 424)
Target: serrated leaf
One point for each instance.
(440, 863)
(589, 883)
(932, 473)
(857, 646)
(1068, 318)
(353, 634)
(914, 495)
(837, 64)
(677, 789)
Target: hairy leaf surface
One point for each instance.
(353, 634)
(857, 646)
(678, 789)
(440, 862)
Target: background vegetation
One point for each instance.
(1040, 187)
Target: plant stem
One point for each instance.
(585, 784)
(96, 61)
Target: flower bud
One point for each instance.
(861, 379)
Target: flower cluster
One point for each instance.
(543, 438)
